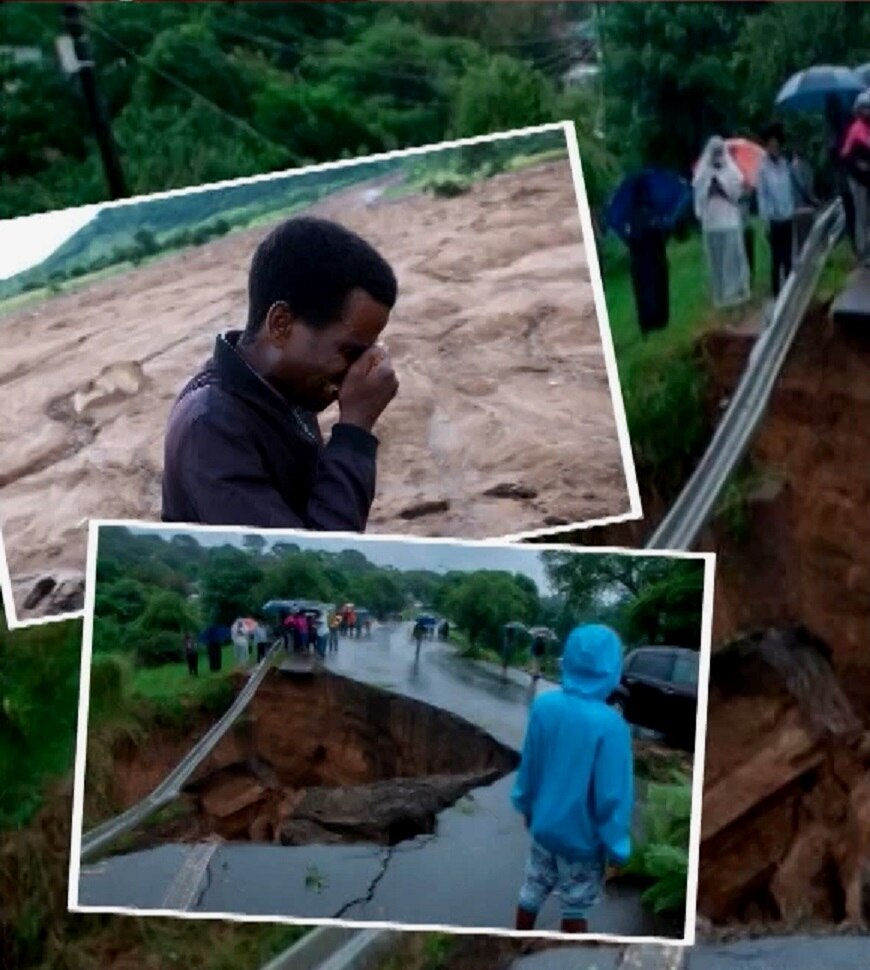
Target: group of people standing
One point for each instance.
(783, 191)
(304, 631)
(248, 637)
(785, 197)
(723, 204)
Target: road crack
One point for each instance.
(373, 885)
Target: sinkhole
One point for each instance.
(325, 759)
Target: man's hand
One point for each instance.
(368, 387)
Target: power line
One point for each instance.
(181, 85)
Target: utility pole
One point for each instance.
(76, 58)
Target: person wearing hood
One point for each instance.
(856, 158)
(718, 187)
(575, 783)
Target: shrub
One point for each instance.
(663, 858)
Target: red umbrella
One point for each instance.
(747, 156)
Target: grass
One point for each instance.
(39, 687)
(170, 686)
(662, 381)
(836, 272)
(39, 691)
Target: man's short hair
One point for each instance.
(312, 265)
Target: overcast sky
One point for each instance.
(28, 240)
(403, 554)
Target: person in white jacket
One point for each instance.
(240, 643)
(718, 187)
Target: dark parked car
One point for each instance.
(659, 691)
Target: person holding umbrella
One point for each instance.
(776, 205)
(643, 212)
(718, 186)
(647, 245)
(856, 157)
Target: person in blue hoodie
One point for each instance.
(575, 784)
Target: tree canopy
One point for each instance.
(152, 590)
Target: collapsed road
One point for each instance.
(296, 802)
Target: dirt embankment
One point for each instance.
(504, 421)
(317, 759)
(786, 831)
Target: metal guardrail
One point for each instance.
(692, 510)
(168, 789)
(337, 948)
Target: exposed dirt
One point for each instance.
(503, 422)
(320, 759)
(786, 825)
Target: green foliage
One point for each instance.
(202, 94)
(668, 609)
(647, 599)
(445, 185)
(663, 856)
(500, 94)
(39, 691)
(437, 948)
(664, 396)
(482, 602)
(110, 681)
(667, 77)
(227, 579)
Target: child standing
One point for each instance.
(575, 784)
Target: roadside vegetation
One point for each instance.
(38, 706)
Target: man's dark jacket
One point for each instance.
(237, 453)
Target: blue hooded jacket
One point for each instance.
(575, 784)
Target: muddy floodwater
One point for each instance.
(504, 422)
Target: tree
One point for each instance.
(254, 543)
(380, 592)
(587, 580)
(122, 600)
(156, 636)
(503, 93)
(668, 78)
(229, 577)
(298, 575)
(649, 599)
(669, 609)
(484, 601)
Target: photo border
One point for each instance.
(709, 560)
(568, 127)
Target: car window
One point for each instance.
(652, 664)
(685, 670)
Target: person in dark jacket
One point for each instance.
(243, 446)
(191, 654)
(647, 245)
